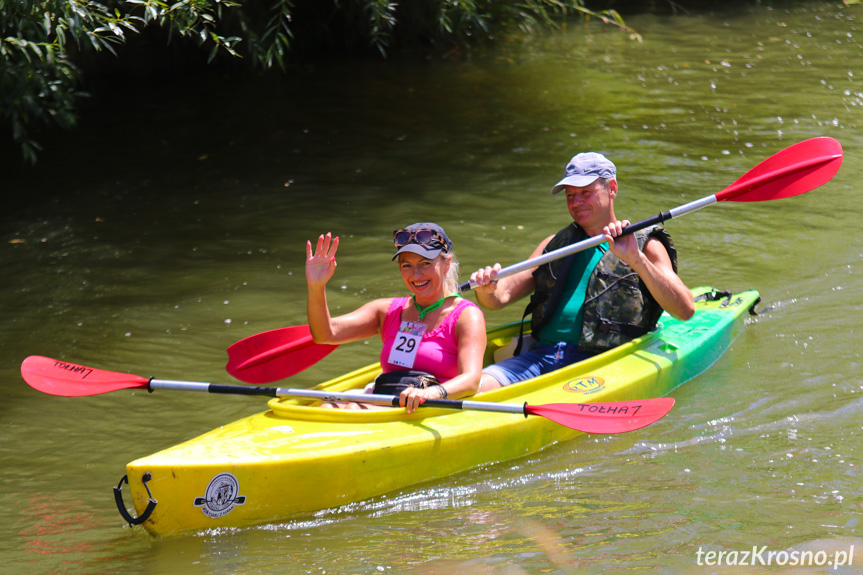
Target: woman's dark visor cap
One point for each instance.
(432, 243)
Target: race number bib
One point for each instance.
(406, 344)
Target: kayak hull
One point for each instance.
(297, 458)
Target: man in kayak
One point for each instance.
(433, 337)
(592, 300)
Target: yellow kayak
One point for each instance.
(296, 458)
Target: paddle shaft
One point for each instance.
(391, 400)
(72, 380)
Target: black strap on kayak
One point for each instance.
(630, 330)
(121, 507)
(517, 350)
(715, 295)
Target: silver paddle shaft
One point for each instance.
(391, 400)
(594, 241)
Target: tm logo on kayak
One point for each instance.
(221, 496)
(585, 385)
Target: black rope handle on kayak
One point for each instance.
(121, 507)
(715, 295)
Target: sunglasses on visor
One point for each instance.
(421, 237)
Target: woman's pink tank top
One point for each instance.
(438, 350)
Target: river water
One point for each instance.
(173, 223)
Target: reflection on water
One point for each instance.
(188, 235)
(60, 534)
(52, 527)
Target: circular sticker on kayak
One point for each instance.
(585, 385)
(221, 497)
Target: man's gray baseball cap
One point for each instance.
(583, 169)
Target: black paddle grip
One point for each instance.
(447, 403)
(242, 390)
(652, 221)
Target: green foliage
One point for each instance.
(382, 20)
(273, 45)
(190, 18)
(41, 39)
(37, 77)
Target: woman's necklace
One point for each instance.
(425, 311)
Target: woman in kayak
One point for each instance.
(433, 331)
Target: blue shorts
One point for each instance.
(542, 358)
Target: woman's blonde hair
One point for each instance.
(450, 282)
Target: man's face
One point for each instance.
(590, 205)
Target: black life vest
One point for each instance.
(618, 307)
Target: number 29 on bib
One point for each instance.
(406, 344)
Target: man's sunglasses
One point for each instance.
(421, 237)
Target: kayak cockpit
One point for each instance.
(641, 360)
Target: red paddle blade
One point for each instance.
(795, 170)
(605, 418)
(57, 377)
(275, 354)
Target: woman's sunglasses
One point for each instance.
(421, 237)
